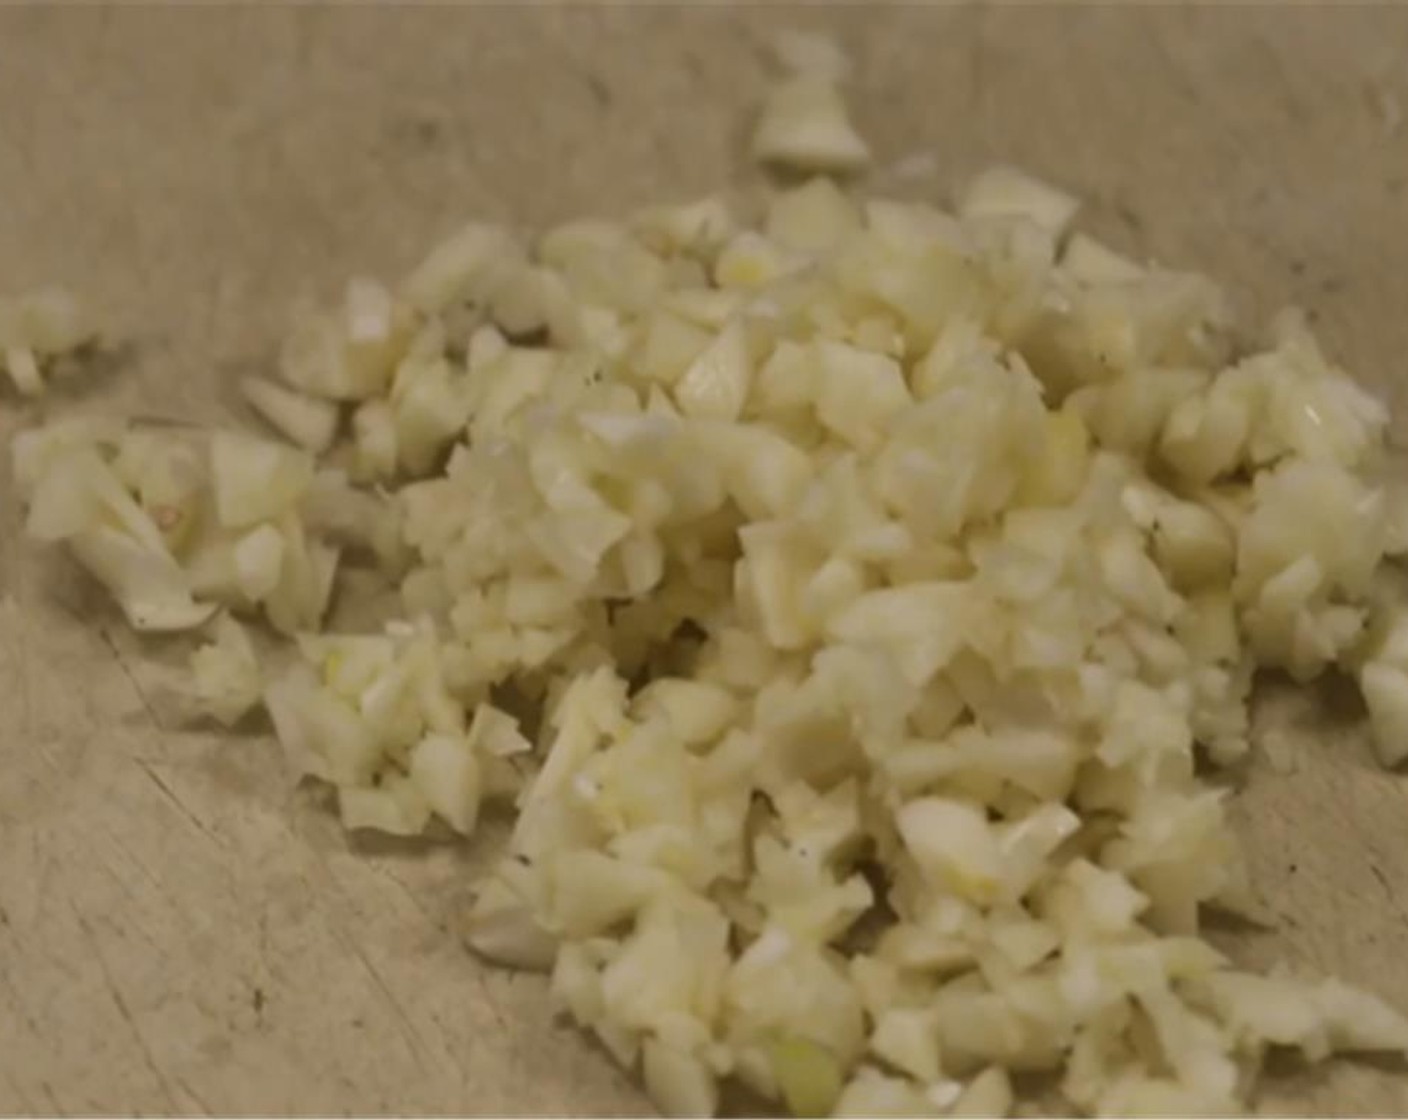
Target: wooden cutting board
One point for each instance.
(183, 931)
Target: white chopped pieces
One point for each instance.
(841, 599)
(177, 522)
(228, 680)
(306, 421)
(1005, 192)
(805, 126)
(36, 328)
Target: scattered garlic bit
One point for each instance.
(1004, 192)
(75, 495)
(35, 328)
(877, 566)
(304, 420)
(1087, 260)
(397, 808)
(1383, 679)
(254, 479)
(348, 355)
(177, 522)
(805, 126)
(228, 680)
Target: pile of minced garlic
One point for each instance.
(845, 595)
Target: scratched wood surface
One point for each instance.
(181, 930)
